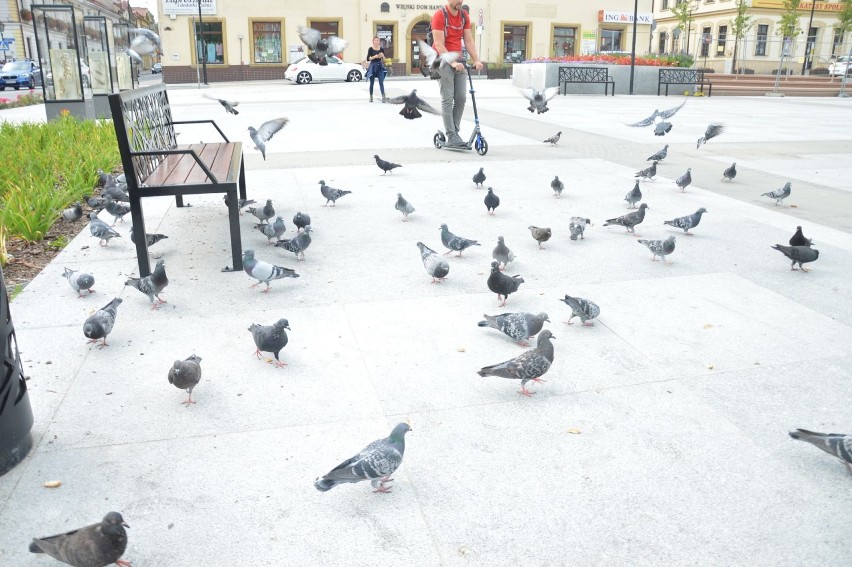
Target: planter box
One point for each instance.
(543, 75)
(499, 73)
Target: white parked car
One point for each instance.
(305, 71)
(839, 66)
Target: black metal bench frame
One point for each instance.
(585, 75)
(683, 77)
(155, 165)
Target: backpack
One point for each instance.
(431, 40)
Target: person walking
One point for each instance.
(451, 25)
(376, 68)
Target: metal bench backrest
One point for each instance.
(681, 76)
(584, 74)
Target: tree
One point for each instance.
(788, 25)
(740, 26)
(682, 11)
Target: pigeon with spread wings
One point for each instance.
(538, 99)
(321, 47)
(413, 104)
(433, 60)
(265, 133)
(666, 114)
(228, 105)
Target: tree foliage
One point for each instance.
(740, 26)
(789, 24)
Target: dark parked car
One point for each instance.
(19, 74)
(157, 68)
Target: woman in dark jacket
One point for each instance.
(376, 68)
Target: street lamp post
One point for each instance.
(240, 37)
(808, 46)
(203, 45)
(633, 48)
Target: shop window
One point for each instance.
(564, 40)
(326, 29)
(705, 45)
(267, 42)
(610, 40)
(838, 40)
(723, 38)
(760, 44)
(514, 43)
(385, 33)
(661, 47)
(212, 50)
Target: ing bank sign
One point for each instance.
(610, 17)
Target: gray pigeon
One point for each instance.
(538, 99)
(435, 266)
(648, 172)
(630, 220)
(100, 229)
(687, 222)
(331, 194)
(116, 209)
(553, 139)
(557, 186)
(780, 194)
(228, 105)
(730, 172)
(413, 104)
(578, 227)
(585, 309)
(403, 206)
(501, 284)
(531, 365)
(97, 545)
(684, 180)
(657, 114)
(835, 444)
(185, 374)
(301, 220)
(270, 338)
(97, 203)
(265, 133)
(321, 47)
(100, 323)
(661, 248)
(375, 462)
(385, 166)
(263, 213)
(433, 61)
(492, 201)
(263, 272)
(80, 281)
(116, 193)
(298, 244)
(479, 177)
(633, 196)
(517, 326)
(455, 243)
(799, 239)
(799, 255)
(144, 41)
(150, 239)
(274, 230)
(152, 285)
(660, 155)
(241, 203)
(502, 253)
(712, 131)
(662, 128)
(74, 213)
(540, 235)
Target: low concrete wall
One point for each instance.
(543, 75)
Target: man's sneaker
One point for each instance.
(453, 140)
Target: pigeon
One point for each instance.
(538, 99)
(270, 339)
(150, 239)
(648, 172)
(502, 253)
(134, 56)
(585, 309)
(684, 180)
(241, 203)
(144, 41)
(321, 47)
(799, 255)
(662, 128)
(455, 243)
(730, 172)
(557, 186)
(578, 227)
(501, 284)
(116, 209)
(228, 105)
(274, 230)
(435, 266)
(492, 201)
(100, 323)
(433, 60)
(72, 214)
(97, 203)
(80, 281)
(712, 131)
(403, 206)
(116, 193)
(100, 229)
(479, 177)
(661, 248)
(517, 326)
(298, 244)
(375, 462)
(531, 365)
(553, 139)
(630, 220)
(103, 177)
(660, 155)
(540, 234)
(263, 213)
(301, 220)
(657, 114)
(413, 105)
(798, 239)
(93, 546)
(265, 133)
(152, 285)
(779, 194)
(185, 374)
(263, 272)
(331, 194)
(385, 166)
(687, 222)
(633, 196)
(835, 444)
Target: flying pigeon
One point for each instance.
(152, 285)
(501, 284)
(798, 239)
(413, 104)
(540, 235)
(265, 133)
(633, 196)
(133, 55)
(301, 220)
(385, 166)
(403, 206)
(660, 155)
(630, 220)
(331, 194)
(730, 172)
(799, 255)
(538, 99)
(321, 47)
(684, 180)
(648, 172)
(557, 186)
(531, 365)
(835, 444)
(435, 266)
(74, 213)
(433, 60)
(263, 213)
(274, 230)
(712, 131)
(553, 139)
(662, 128)
(479, 177)
(661, 248)
(100, 323)
(270, 338)
(185, 374)
(375, 462)
(779, 194)
(687, 222)
(80, 281)
(298, 244)
(228, 105)
(100, 229)
(455, 243)
(578, 227)
(492, 201)
(263, 272)
(150, 239)
(517, 326)
(585, 309)
(144, 41)
(96, 545)
(664, 115)
(502, 253)
(116, 209)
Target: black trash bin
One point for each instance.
(16, 414)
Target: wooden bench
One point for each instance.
(155, 165)
(676, 76)
(585, 74)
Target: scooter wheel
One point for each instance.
(481, 146)
(439, 140)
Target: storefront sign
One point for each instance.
(588, 43)
(208, 7)
(803, 6)
(610, 17)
